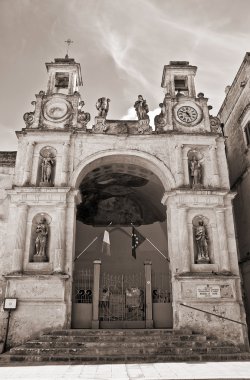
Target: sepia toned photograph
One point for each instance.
(124, 189)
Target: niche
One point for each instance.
(40, 238)
(195, 169)
(46, 167)
(202, 240)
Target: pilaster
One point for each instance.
(60, 250)
(183, 238)
(222, 234)
(18, 254)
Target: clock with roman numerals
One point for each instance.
(187, 114)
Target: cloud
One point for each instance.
(131, 115)
(120, 48)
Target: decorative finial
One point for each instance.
(68, 42)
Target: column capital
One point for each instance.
(97, 262)
(147, 262)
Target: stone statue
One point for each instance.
(102, 105)
(47, 163)
(195, 173)
(201, 242)
(41, 241)
(141, 108)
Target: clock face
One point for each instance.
(187, 114)
(56, 110)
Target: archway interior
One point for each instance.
(123, 193)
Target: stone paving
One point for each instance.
(154, 371)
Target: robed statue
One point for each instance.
(195, 168)
(201, 239)
(102, 105)
(141, 108)
(41, 240)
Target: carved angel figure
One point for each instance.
(102, 105)
(42, 237)
(141, 108)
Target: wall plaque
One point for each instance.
(208, 291)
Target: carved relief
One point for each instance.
(40, 238)
(201, 239)
(83, 117)
(28, 117)
(195, 165)
(47, 166)
(141, 108)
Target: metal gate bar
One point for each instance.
(122, 297)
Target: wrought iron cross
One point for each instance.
(68, 42)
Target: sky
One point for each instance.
(122, 46)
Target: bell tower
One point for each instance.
(64, 76)
(178, 77)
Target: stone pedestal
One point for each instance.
(39, 259)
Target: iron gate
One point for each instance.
(122, 297)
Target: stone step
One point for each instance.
(121, 332)
(107, 346)
(124, 350)
(120, 338)
(79, 359)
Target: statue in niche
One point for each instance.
(41, 241)
(47, 163)
(141, 108)
(102, 106)
(195, 168)
(201, 239)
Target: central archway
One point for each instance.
(116, 192)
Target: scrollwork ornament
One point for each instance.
(28, 117)
(215, 124)
(83, 117)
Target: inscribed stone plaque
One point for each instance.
(208, 291)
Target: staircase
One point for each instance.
(122, 346)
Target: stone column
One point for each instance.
(214, 162)
(148, 295)
(96, 291)
(28, 162)
(179, 162)
(222, 236)
(183, 239)
(18, 254)
(65, 163)
(60, 250)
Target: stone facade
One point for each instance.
(185, 152)
(235, 115)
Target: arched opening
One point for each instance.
(118, 193)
